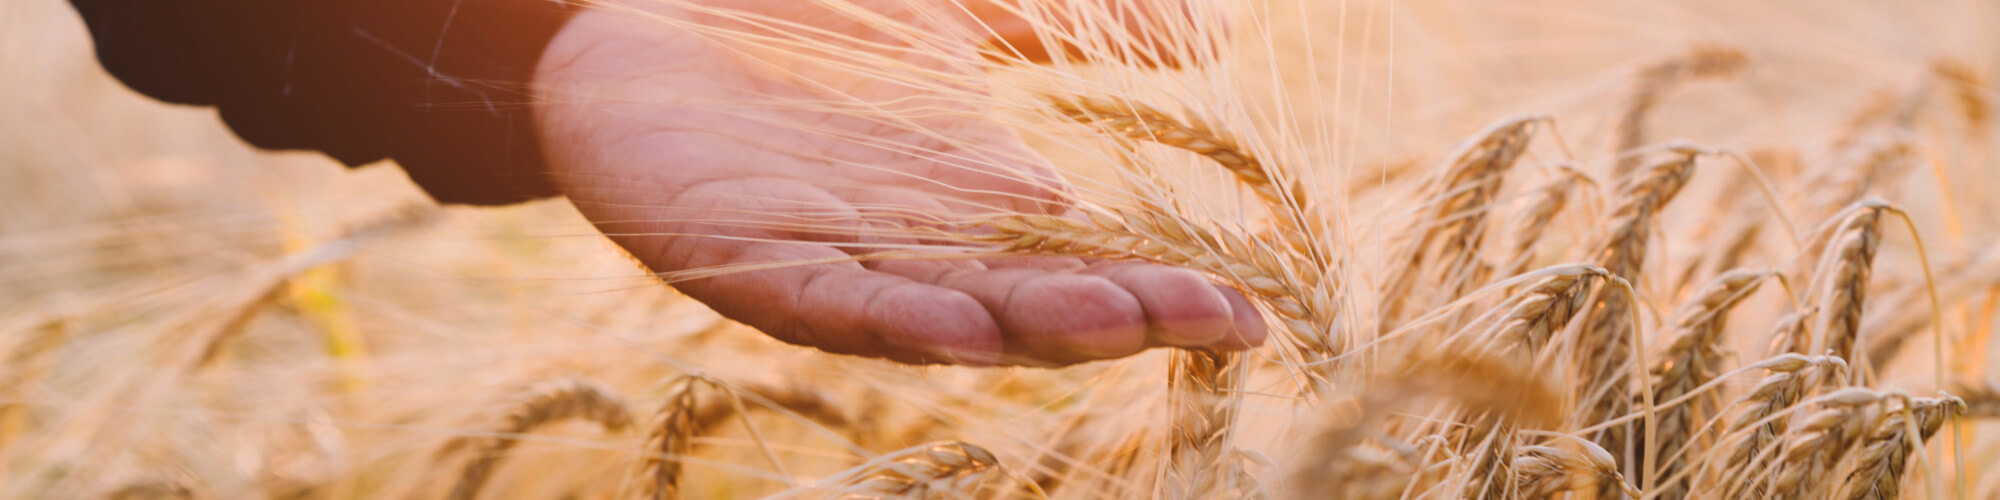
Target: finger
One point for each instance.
(1056, 318)
(838, 307)
(1248, 329)
(846, 309)
(1182, 308)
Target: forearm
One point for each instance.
(437, 85)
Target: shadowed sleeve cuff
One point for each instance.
(440, 86)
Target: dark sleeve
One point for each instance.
(437, 85)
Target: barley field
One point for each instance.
(1539, 249)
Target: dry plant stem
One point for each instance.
(1200, 460)
(1454, 224)
(1878, 466)
(1287, 199)
(1853, 260)
(1603, 352)
(1654, 81)
(551, 402)
(1694, 359)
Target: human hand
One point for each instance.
(692, 154)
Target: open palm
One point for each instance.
(694, 152)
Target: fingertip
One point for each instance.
(1247, 327)
(1182, 307)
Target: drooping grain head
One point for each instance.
(924, 471)
(671, 439)
(1448, 240)
(1694, 359)
(1846, 283)
(1604, 351)
(1877, 467)
(1654, 81)
(546, 403)
(1199, 451)
(1743, 453)
(1810, 451)
(1581, 467)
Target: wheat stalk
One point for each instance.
(689, 413)
(923, 471)
(1543, 309)
(1852, 263)
(1288, 200)
(1549, 200)
(1760, 423)
(1200, 388)
(1604, 350)
(1690, 362)
(1812, 447)
(1544, 471)
(1454, 228)
(1878, 465)
(672, 438)
(1654, 81)
(554, 401)
(1504, 392)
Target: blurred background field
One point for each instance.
(184, 315)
